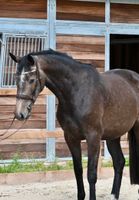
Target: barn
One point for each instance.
(104, 33)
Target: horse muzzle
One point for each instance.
(23, 109)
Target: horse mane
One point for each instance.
(51, 52)
(65, 55)
(57, 53)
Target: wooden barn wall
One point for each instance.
(23, 9)
(7, 108)
(125, 13)
(84, 11)
(87, 49)
(30, 140)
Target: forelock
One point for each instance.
(23, 65)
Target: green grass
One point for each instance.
(110, 164)
(34, 166)
(37, 166)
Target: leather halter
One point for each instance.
(27, 97)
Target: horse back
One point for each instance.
(130, 76)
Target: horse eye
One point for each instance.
(31, 81)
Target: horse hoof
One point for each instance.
(113, 197)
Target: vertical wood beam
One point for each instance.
(107, 55)
(51, 10)
(107, 35)
(51, 151)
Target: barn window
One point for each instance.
(19, 46)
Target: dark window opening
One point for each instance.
(124, 52)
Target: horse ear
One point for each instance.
(15, 58)
(30, 59)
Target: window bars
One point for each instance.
(19, 46)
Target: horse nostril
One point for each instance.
(22, 116)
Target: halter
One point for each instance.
(27, 97)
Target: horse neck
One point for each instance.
(67, 77)
(60, 79)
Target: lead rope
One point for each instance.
(5, 132)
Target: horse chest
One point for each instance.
(69, 124)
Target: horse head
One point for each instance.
(30, 82)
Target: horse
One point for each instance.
(92, 106)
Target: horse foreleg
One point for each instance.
(115, 150)
(93, 141)
(75, 149)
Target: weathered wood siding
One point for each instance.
(125, 13)
(88, 49)
(23, 9)
(84, 11)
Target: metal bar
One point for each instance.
(39, 44)
(2, 59)
(35, 44)
(13, 63)
(1, 55)
(21, 47)
(17, 49)
(32, 44)
(25, 45)
(28, 45)
(6, 67)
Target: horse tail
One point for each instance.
(133, 156)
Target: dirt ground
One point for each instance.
(64, 190)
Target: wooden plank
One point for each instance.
(125, 13)
(13, 91)
(22, 147)
(23, 141)
(87, 56)
(86, 49)
(32, 134)
(36, 108)
(78, 39)
(12, 100)
(30, 124)
(23, 9)
(80, 48)
(86, 11)
(23, 154)
(6, 116)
